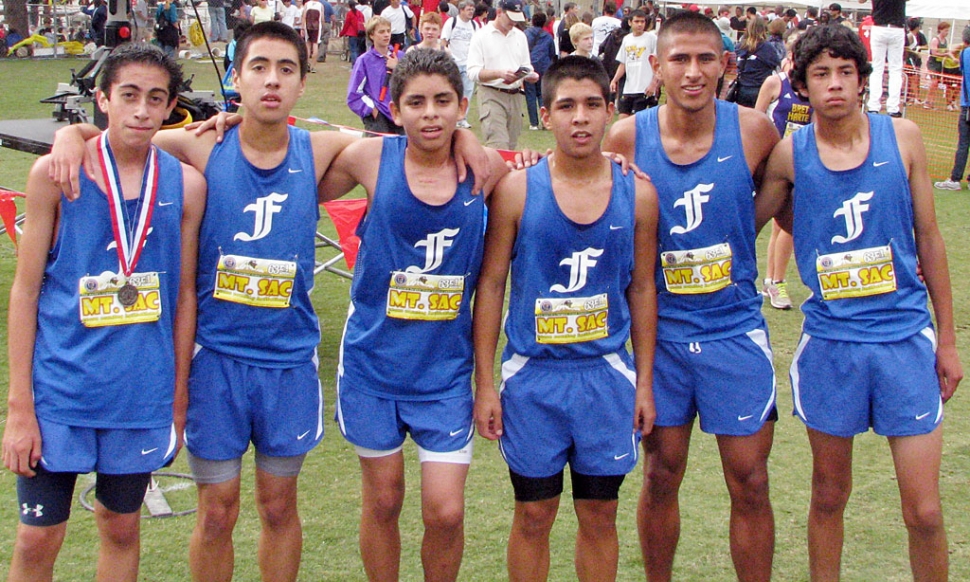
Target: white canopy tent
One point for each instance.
(942, 9)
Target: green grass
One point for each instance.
(875, 546)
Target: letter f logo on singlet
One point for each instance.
(692, 202)
(264, 208)
(852, 210)
(579, 263)
(434, 249)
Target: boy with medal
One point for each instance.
(855, 193)
(580, 239)
(254, 373)
(95, 279)
(412, 288)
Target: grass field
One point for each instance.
(875, 546)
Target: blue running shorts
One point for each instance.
(379, 425)
(577, 411)
(232, 403)
(729, 383)
(116, 451)
(843, 388)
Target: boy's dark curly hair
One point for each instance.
(837, 41)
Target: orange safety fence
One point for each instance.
(931, 100)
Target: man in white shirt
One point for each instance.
(604, 25)
(498, 60)
(290, 14)
(457, 36)
(634, 59)
(143, 21)
(398, 15)
(364, 7)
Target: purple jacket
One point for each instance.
(366, 81)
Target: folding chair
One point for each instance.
(8, 214)
(345, 215)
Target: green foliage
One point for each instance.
(875, 546)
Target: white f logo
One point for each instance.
(692, 201)
(578, 263)
(852, 210)
(434, 249)
(264, 208)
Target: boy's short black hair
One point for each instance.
(424, 61)
(539, 19)
(835, 40)
(141, 53)
(577, 68)
(637, 14)
(276, 31)
(690, 23)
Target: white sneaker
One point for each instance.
(533, 128)
(777, 294)
(462, 124)
(947, 185)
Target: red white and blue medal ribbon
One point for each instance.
(129, 245)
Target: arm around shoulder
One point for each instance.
(347, 164)
(622, 137)
(497, 170)
(773, 198)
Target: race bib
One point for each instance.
(791, 127)
(423, 297)
(858, 273)
(697, 271)
(101, 305)
(255, 282)
(572, 320)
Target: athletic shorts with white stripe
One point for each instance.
(843, 388)
(729, 383)
(577, 411)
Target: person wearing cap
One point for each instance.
(499, 61)
(835, 13)
(888, 37)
